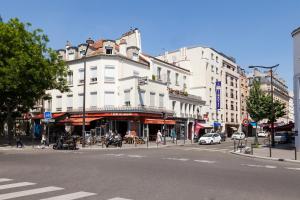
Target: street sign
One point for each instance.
(218, 83)
(48, 120)
(245, 122)
(47, 115)
(253, 123)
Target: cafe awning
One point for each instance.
(79, 121)
(54, 115)
(159, 121)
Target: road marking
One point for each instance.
(205, 161)
(71, 196)
(28, 192)
(293, 168)
(14, 185)
(260, 166)
(112, 154)
(5, 179)
(179, 159)
(119, 198)
(136, 156)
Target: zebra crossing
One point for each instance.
(22, 191)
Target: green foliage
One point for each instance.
(255, 102)
(27, 68)
(259, 105)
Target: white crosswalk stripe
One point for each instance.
(28, 192)
(293, 168)
(15, 185)
(5, 179)
(260, 166)
(205, 161)
(118, 198)
(71, 196)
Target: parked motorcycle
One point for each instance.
(65, 143)
(115, 140)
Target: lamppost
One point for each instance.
(272, 94)
(89, 41)
(164, 131)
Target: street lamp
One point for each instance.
(272, 94)
(89, 42)
(164, 131)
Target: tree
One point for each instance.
(255, 104)
(28, 67)
(279, 109)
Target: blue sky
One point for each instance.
(255, 32)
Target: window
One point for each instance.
(142, 98)
(212, 56)
(93, 74)
(49, 105)
(109, 74)
(135, 57)
(109, 99)
(158, 73)
(93, 99)
(71, 55)
(127, 97)
(152, 99)
(176, 79)
(217, 59)
(82, 53)
(80, 100)
(81, 75)
(161, 100)
(173, 105)
(70, 78)
(231, 105)
(69, 102)
(108, 50)
(212, 68)
(217, 70)
(226, 104)
(174, 59)
(184, 82)
(169, 76)
(58, 103)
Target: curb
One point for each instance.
(266, 158)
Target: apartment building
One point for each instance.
(214, 77)
(126, 89)
(280, 89)
(296, 50)
(291, 114)
(244, 91)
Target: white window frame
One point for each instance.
(107, 100)
(109, 78)
(93, 96)
(93, 74)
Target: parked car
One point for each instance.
(262, 134)
(238, 136)
(210, 138)
(281, 137)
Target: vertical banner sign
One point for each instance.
(218, 95)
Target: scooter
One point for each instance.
(115, 140)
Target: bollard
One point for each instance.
(295, 153)
(251, 149)
(134, 141)
(147, 142)
(270, 147)
(176, 140)
(234, 147)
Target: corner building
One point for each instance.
(126, 90)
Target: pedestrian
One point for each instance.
(19, 141)
(158, 137)
(173, 135)
(44, 140)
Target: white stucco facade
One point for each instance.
(207, 67)
(296, 46)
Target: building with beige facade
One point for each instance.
(214, 77)
(244, 91)
(280, 89)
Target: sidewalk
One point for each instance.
(151, 145)
(278, 153)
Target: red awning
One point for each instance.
(54, 115)
(159, 121)
(198, 126)
(78, 121)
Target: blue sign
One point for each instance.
(216, 124)
(253, 123)
(218, 99)
(218, 83)
(47, 115)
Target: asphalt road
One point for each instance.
(183, 172)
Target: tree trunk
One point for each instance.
(10, 124)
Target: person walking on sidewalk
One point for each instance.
(158, 137)
(19, 141)
(44, 140)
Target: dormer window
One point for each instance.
(108, 50)
(82, 52)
